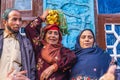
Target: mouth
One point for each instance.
(52, 39)
(87, 44)
(16, 28)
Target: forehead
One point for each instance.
(87, 32)
(14, 13)
(53, 30)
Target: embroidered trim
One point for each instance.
(40, 63)
(83, 78)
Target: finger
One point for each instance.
(42, 76)
(21, 73)
(48, 73)
(20, 77)
(11, 71)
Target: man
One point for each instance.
(16, 53)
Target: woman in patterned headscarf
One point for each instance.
(53, 60)
(92, 61)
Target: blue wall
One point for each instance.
(79, 14)
(108, 6)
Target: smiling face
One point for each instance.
(86, 39)
(52, 36)
(14, 21)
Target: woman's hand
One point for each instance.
(17, 76)
(36, 21)
(44, 15)
(48, 72)
(110, 73)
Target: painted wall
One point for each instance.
(108, 6)
(79, 15)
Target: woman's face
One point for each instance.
(86, 39)
(52, 36)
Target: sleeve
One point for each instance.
(33, 65)
(29, 59)
(33, 32)
(68, 59)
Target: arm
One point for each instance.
(29, 59)
(34, 30)
(33, 65)
(68, 59)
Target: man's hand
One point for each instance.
(17, 76)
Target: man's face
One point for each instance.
(14, 21)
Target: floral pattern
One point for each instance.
(40, 63)
(36, 41)
(83, 78)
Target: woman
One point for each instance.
(92, 61)
(53, 60)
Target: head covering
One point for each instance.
(92, 62)
(77, 45)
(57, 17)
(51, 27)
(6, 13)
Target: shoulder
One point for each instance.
(64, 49)
(1, 31)
(26, 41)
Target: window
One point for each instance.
(23, 4)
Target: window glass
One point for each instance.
(23, 4)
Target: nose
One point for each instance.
(52, 35)
(86, 39)
(18, 22)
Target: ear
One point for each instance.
(4, 22)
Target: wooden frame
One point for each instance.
(27, 15)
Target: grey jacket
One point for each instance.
(27, 54)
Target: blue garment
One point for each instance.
(27, 55)
(91, 62)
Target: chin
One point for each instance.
(16, 31)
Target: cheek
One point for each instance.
(10, 23)
(46, 37)
(57, 37)
(92, 41)
(81, 43)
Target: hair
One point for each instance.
(6, 13)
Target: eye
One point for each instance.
(14, 19)
(20, 19)
(49, 32)
(83, 37)
(56, 33)
(90, 37)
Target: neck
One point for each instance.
(7, 31)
